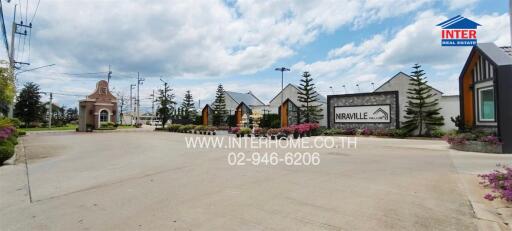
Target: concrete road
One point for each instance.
(152, 181)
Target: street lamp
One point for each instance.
(282, 70)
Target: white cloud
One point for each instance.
(379, 57)
(459, 4)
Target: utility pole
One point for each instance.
(282, 70)
(152, 98)
(140, 81)
(50, 110)
(12, 61)
(132, 86)
(109, 75)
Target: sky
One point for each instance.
(196, 45)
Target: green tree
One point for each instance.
(167, 104)
(28, 107)
(71, 115)
(422, 111)
(219, 107)
(6, 89)
(188, 109)
(310, 108)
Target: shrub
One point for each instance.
(437, 133)
(500, 183)
(272, 131)
(287, 130)
(258, 131)
(22, 133)
(6, 151)
(399, 133)
(364, 132)
(245, 131)
(235, 130)
(493, 140)
(174, 127)
(382, 132)
(349, 131)
(12, 139)
(332, 132)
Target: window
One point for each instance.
(486, 104)
(103, 116)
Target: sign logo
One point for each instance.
(458, 31)
(362, 114)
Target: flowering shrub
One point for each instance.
(257, 131)
(500, 183)
(235, 130)
(349, 131)
(7, 139)
(286, 130)
(273, 131)
(365, 132)
(490, 140)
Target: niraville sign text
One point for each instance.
(362, 114)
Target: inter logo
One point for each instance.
(458, 31)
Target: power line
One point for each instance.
(35, 11)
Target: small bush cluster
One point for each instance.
(500, 182)
(190, 128)
(108, 126)
(8, 139)
(456, 138)
(398, 133)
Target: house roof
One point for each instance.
(401, 74)
(248, 98)
(458, 22)
(499, 56)
(321, 98)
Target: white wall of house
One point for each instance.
(400, 82)
(450, 107)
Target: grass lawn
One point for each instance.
(64, 128)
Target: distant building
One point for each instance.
(234, 99)
(97, 108)
(400, 82)
(291, 92)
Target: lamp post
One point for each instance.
(282, 70)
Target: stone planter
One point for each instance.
(477, 146)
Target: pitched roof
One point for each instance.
(500, 56)
(321, 98)
(248, 98)
(401, 74)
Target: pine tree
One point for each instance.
(422, 111)
(310, 108)
(28, 107)
(219, 107)
(188, 108)
(167, 104)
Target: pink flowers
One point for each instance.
(303, 128)
(490, 140)
(5, 132)
(500, 183)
